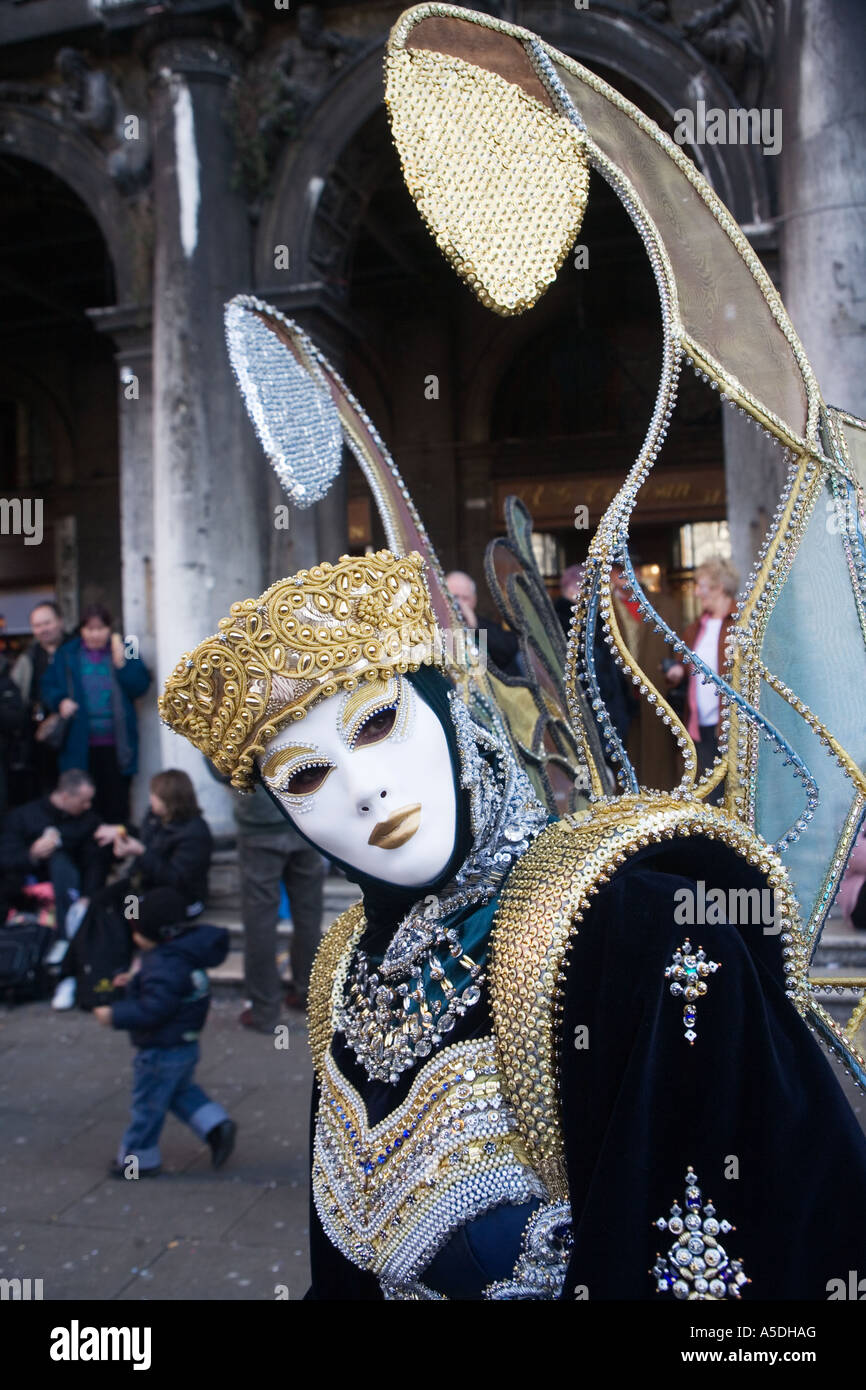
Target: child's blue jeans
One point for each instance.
(162, 1081)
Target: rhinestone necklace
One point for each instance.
(380, 1024)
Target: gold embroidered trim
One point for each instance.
(327, 978)
(325, 629)
(541, 908)
(389, 1195)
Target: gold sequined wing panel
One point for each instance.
(496, 131)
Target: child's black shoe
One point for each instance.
(221, 1140)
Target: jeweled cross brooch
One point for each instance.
(687, 974)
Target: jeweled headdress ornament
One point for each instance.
(325, 629)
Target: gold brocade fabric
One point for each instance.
(389, 1195)
(322, 630)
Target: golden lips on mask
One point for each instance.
(397, 829)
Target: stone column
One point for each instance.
(819, 61)
(129, 327)
(209, 487)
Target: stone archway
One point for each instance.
(642, 53)
(36, 136)
(60, 442)
(289, 217)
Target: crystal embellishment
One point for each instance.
(696, 1266)
(687, 973)
(291, 408)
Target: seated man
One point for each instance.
(53, 838)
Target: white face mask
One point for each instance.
(367, 777)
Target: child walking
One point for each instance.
(164, 1011)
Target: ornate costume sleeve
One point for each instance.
(736, 1095)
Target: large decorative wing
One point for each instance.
(496, 131)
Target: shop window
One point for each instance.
(548, 554)
(702, 540)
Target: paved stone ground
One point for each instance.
(190, 1233)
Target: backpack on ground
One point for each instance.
(24, 944)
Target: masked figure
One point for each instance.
(508, 1093)
(561, 1044)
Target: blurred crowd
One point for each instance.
(71, 861)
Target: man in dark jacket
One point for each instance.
(502, 644)
(39, 773)
(165, 1008)
(53, 838)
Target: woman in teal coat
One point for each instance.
(92, 681)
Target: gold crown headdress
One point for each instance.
(322, 630)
